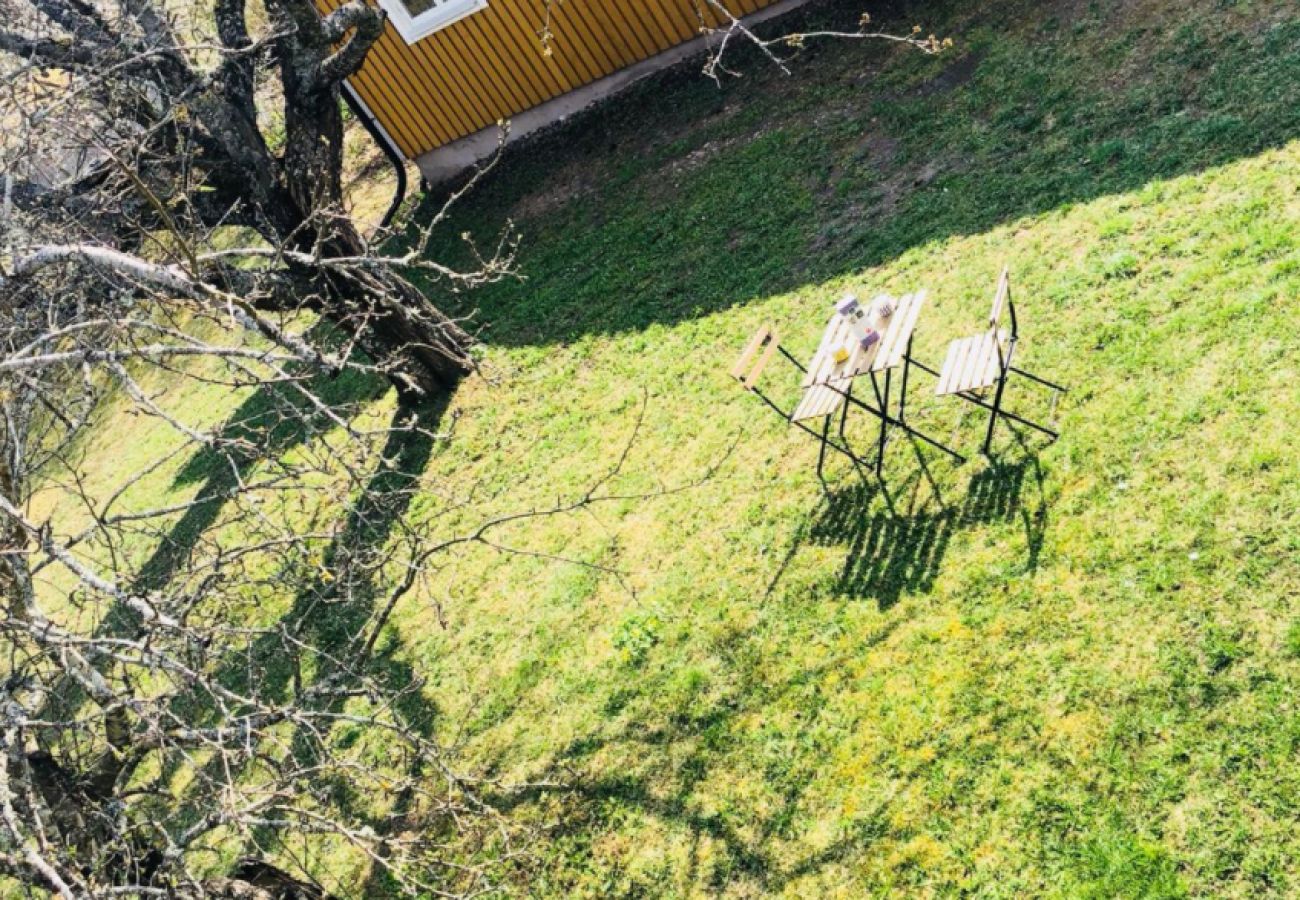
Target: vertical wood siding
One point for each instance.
(490, 65)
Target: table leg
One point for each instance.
(884, 424)
(902, 395)
(885, 417)
(821, 454)
(844, 413)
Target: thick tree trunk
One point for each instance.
(424, 350)
(428, 351)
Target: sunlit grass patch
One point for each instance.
(1082, 683)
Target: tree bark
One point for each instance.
(424, 349)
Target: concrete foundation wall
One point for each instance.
(451, 159)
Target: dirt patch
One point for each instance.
(877, 146)
(1065, 12)
(698, 158)
(874, 152)
(702, 155)
(568, 183)
(669, 132)
(952, 77)
(899, 183)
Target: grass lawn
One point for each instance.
(1070, 671)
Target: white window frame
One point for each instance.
(437, 17)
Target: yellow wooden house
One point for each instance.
(446, 71)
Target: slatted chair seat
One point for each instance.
(973, 363)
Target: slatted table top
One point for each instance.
(827, 381)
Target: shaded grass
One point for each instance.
(683, 199)
(1070, 672)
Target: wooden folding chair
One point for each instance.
(977, 363)
(747, 370)
(765, 344)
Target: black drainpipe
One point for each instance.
(394, 155)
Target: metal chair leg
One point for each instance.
(996, 411)
(821, 454)
(844, 413)
(1043, 381)
(884, 427)
(902, 394)
(976, 401)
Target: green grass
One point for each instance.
(1069, 672)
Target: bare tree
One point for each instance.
(723, 30)
(242, 654)
(207, 152)
(202, 697)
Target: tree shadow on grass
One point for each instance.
(678, 750)
(775, 182)
(272, 421)
(327, 614)
(332, 615)
(317, 639)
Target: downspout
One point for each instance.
(385, 143)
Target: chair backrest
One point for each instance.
(1001, 301)
(747, 374)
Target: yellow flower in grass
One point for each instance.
(900, 819)
(956, 630)
(923, 850)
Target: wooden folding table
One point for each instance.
(828, 384)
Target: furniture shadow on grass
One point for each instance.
(892, 552)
